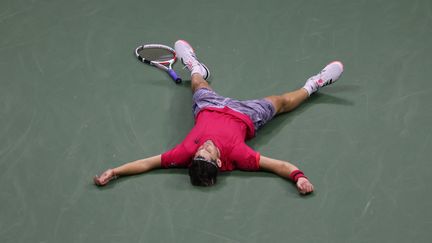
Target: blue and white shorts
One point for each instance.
(260, 111)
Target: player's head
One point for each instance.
(205, 165)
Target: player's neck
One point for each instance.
(217, 149)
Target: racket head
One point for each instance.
(156, 53)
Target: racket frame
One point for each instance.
(164, 65)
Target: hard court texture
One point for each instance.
(74, 101)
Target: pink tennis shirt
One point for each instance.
(228, 129)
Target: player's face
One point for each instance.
(208, 150)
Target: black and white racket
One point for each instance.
(160, 56)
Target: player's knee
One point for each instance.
(276, 102)
(287, 103)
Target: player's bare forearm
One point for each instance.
(138, 166)
(279, 167)
(288, 171)
(131, 168)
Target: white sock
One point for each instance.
(310, 86)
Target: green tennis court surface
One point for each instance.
(75, 101)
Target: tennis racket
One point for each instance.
(160, 56)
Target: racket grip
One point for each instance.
(174, 76)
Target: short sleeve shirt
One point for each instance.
(228, 129)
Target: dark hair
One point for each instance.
(203, 172)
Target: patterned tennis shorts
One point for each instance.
(260, 111)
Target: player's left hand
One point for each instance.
(304, 186)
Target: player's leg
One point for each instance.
(199, 72)
(288, 101)
(198, 82)
(291, 100)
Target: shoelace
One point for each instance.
(189, 64)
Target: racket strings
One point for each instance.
(156, 54)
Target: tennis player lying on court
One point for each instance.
(217, 141)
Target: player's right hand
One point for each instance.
(106, 177)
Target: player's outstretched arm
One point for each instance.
(288, 171)
(132, 168)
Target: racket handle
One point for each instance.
(174, 76)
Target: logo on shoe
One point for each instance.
(188, 63)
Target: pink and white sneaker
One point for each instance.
(328, 75)
(186, 54)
